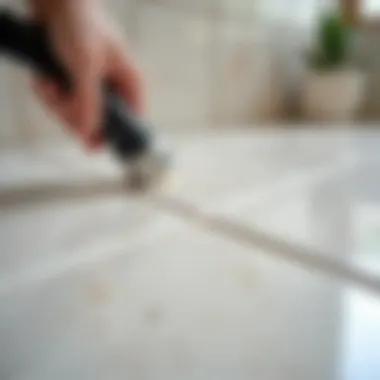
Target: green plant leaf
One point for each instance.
(333, 43)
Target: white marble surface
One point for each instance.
(211, 165)
(107, 288)
(334, 208)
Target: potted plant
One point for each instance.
(333, 88)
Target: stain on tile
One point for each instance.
(99, 291)
(246, 277)
(213, 323)
(154, 316)
(241, 64)
(249, 280)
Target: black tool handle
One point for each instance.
(28, 42)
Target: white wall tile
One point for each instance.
(195, 6)
(293, 12)
(240, 8)
(172, 48)
(33, 120)
(125, 12)
(8, 123)
(243, 77)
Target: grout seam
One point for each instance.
(255, 238)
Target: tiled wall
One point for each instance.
(206, 62)
(367, 56)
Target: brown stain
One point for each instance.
(249, 281)
(213, 323)
(154, 316)
(241, 64)
(99, 291)
(248, 278)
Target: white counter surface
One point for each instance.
(107, 287)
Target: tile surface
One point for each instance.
(210, 169)
(7, 130)
(172, 48)
(209, 7)
(191, 306)
(110, 288)
(125, 12)
(245, 84)
(334, 209)
(53, 235)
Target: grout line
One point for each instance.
(54, 268)
(254, 238)
(18, 196)
(11, 196)
(269, 192)
(51, 269)
(304, 256)
(239, 234)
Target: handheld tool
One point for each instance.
(130, 139)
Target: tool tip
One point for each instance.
(149, 172)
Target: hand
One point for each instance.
(91, 50)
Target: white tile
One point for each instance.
(291, 12)
(208, 170)
(52, 229)
(172, 48)
(219, 172)
(107, 288)
(195, 6)
(334, 209)
(244, 83)
(41, 238)
(32, 120)
(53, 163)
(288, 184)
(189, 306)
(212, 171)
(125, 12)
(240, 8)
(8, 108)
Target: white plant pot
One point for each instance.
(332, 95)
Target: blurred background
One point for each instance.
(216, 63)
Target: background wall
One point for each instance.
(367, 56)
(207, 63)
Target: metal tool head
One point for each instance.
(149, 172)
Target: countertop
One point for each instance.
(108, 287)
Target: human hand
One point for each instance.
(91, 50)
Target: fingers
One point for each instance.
(127, 79)
(76, 32)
(82, 108)
(62, 107)
(87, 103)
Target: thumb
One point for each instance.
(87, 102)
(127, 79)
